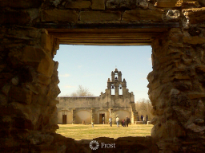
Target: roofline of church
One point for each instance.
(78, 96)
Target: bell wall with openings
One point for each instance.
(30, 34)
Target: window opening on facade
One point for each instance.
(112, 89)
(116, 76)
(120, 90)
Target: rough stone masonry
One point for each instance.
(30, 33)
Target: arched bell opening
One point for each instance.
(112, 89)
(116, 76)
(120, 90)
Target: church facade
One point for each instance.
(116, 101)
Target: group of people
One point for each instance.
(124, 122)
(144, 119)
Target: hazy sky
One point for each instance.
(91, 66)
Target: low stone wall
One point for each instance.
(139, 122)
(142, 122)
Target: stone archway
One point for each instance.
(30, 33)
(83, 115)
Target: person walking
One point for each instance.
(144, 120)
(127, 121)
(110, 121)
(92, 123)
(103, 119)
(123, 123)
(117, 121)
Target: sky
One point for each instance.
(91, 66)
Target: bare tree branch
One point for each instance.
(144, 106)
(81, 92)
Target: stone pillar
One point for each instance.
(110, 112)
(120, 76)
(92, 115)
(113, 115)
(108, 84)
(113, 76)
(116, 89)
(177, 90)
(135, 116)
(134, 112)
(73, 115)
(124, 86)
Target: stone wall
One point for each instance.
(176, 90)
(69, 117)
(30, 32)
(99, 104)
(93, 102)
(80, 102)
(29, 86)
(98, 11)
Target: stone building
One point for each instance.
(116, 101)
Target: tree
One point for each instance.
(144, 107)
(81, 92)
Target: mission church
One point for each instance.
(116, 101)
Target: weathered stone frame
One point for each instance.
(29, 75)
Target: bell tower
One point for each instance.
(116, 85)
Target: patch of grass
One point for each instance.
(79, 131)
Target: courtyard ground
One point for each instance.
(80, 131)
